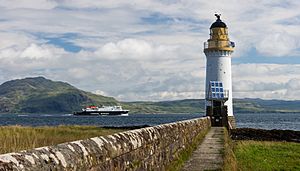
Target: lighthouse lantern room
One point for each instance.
(218, 87)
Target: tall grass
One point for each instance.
(230, 163)
(16, 138)
(266, 155)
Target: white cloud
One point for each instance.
(266, 72)
(32, 4)
(79, 73)
(36, 52)
(293, 84)
(100, 92)
(137, 49)
(271, 81)
(15, 39)
(149, 49)
(127, 48)
(278, 45)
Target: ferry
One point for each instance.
(104, 110)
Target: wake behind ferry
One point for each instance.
(104, 110)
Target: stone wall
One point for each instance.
(151, 148)
(231, 122)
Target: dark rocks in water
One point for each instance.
(265, 135)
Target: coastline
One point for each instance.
(265, 135)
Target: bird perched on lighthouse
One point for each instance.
(218, 88)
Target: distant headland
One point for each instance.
(41, 95)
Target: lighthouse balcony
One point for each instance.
(219, 45)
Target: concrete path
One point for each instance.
(209, 154)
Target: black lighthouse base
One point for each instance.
(218, 114)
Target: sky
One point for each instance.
(151, 49)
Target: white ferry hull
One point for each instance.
(123, 113)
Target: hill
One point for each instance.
(239, 106)
(266, 106)
(171, 107)
(41, 95)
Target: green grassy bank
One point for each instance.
(16, 138)
(267, 155)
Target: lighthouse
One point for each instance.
(218, 87)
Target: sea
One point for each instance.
(282, 121)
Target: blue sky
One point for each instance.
(151, 49)
(62, 41)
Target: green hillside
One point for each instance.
(171, 107)
(41, 95)
(266, 106)
(197, 106)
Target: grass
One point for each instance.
(16, 138)
(266, 155)
(230, 163)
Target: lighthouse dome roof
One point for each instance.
(218, 22)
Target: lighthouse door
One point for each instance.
(216, 116)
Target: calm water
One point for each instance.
(253, 120)
(289, 121)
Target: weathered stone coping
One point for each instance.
(150, 148)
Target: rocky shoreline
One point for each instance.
(265, 135)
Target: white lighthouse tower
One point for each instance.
(218, 90)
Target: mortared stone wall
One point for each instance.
(151, 148)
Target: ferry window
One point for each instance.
(213, 90)
(220, 84)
